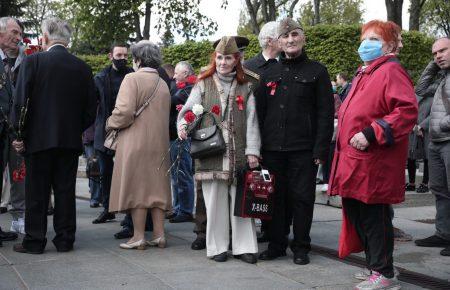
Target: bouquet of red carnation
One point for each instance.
(19, 173)
(30, 48)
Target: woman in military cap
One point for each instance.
(222, 89)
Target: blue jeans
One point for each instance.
(182, 178)
(94, 185)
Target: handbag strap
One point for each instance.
(149, 99)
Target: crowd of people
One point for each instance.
(279, 109)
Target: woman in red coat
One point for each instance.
(368, 169)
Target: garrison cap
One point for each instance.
(227, 45)
(241, 42)
(287, 25)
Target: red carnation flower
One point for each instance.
(240, 102)
(192, 79)
(26, 40)
(216, 110)
(181, 85)
(189, 117)
(179, 107)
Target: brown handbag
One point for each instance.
(111, 135)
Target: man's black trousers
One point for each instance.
(373, 223)
(46, 170)
(295, 184)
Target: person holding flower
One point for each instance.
(223, 93)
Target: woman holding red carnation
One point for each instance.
(223, 91)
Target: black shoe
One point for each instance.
(422, 188)
(63, 249)
(94, 204)
(446, 251)
(171, 215)
(1, 243)
(104, 217)
(269, 255)
(19, 248)
(125, 233)
(7, 236)
(248, 258)
(301, 259)
(199, 244)
(263, 237)
(433, 241)
(410, 187)
(50, 211)
(3, 209)
(221, 257)
(181, 218)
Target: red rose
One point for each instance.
(189, 117)
(272, 86)
(16, 176)
(216, 110)
(179, 107)
(26, 40)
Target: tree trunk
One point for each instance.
(414, 14)
(148, 14)
(317, 11)
(252, 9)
(272, 10)
(291, 8)
(137, 26)
(394, 11)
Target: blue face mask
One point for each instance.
(370, 50)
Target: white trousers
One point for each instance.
(220, 212)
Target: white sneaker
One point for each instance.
(14, 226)
(363, 275)
(377, 281)
(21, 225)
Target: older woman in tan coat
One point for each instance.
(137, 184)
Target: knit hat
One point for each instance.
(287, 25)
(227, 45)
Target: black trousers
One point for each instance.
(295, 183)
(57, 169)
(106, 170)
(373, 224)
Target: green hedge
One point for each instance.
(334, 46)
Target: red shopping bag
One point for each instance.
(349, 241)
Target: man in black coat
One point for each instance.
(58, 91)
(107, 84)
(295, 108)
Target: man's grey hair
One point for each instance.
(4, 22)
(57, 30)
(269, 31)
(187, 66)
(147, 53)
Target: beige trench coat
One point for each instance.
(141, 144)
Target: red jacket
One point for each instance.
(382, 96)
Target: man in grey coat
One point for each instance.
(439, 151)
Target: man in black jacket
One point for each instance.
(296, 109)
(58, 90)
(107, 83)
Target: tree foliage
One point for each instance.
(35, 12)
(435, 18)
(333, 12)
(12, 8)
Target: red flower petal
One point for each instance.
(189, 117)
(216, 110)
(179, 107)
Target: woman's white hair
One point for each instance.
(57, 30)
(269, 31)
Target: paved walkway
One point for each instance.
(98, 263)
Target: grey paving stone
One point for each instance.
(9, 279)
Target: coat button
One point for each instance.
(281, 106)
(285, 87)
(286, 69)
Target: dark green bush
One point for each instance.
(333, 45)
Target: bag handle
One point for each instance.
(149, 99)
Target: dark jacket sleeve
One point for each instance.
(260, 100)
(325, 116)
(91, 103)
(427, 78)
(23, 89)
